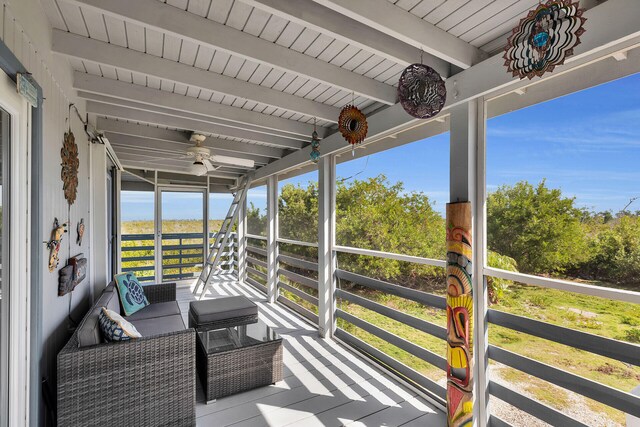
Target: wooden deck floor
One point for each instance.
(325, 384)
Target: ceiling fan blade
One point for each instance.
(209, 166)
(232, 161)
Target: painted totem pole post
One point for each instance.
(459, 316)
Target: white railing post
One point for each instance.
(241, 254)
(272, 238)
(326, 243)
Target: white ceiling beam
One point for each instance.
(329, 22)
(230, 128)
(166, 165)
(396, 22)
(135, 164)
(175, 148)
(219, 184)
(488, 78)
(94, 51)
(167, 120)
(116, 127)
(170, 159)
(197, 29)
(89, 83)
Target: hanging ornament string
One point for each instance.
(315, 144)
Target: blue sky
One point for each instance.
(586, 143)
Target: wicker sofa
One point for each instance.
(149, 381)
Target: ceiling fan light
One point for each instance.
(198, 168)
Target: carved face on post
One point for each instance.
(459, 315)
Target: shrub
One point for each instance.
(632, 335)
(496, 286)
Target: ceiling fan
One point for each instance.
(204, 161)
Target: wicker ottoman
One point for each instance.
(238, 358)
(222, 312)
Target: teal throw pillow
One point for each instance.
(115, 328)
(131, 293)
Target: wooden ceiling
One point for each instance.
(254, 75)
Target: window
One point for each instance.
(257, 211)
(394, 201)
(563, 204)
(298, 207)
(138, 233)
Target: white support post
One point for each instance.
(272, 238)
(118, 220)
(464, 122)
(205, 242)
(326, 243)
(157, 210)
(241, 254)
(480, 296)
(467, 184)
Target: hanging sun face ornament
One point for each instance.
(315, 145)
(544, 38)
(421, 91)
(70, 165)
(352, 124)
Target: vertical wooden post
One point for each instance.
(326, 242)
(459, 314)
(272, 238)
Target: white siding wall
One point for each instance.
(25, 29)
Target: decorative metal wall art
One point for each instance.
(80, 231)
(544, 38)
(70, 165)
(315, 144)
(54, 243)
(459, 315)
(421, 91)
(352, 124)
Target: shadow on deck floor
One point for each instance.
(324, 384)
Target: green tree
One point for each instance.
(256, 221)
(298, 212)
(374, 214)
(537, 227)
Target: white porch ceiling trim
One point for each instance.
(112, 127)
(203, 31)
(170, 168)
(327, 21)
(172, 121)
(91, 50)
(402, 25)
(153, 146)
(88, 83)
(133, 153)
(227, 128)
(600, 40)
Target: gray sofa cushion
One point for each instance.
(156, 310)
(221, 308)
(113, 303)
(89, 329)
(159, 325)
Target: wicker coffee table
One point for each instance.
(238, 358)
